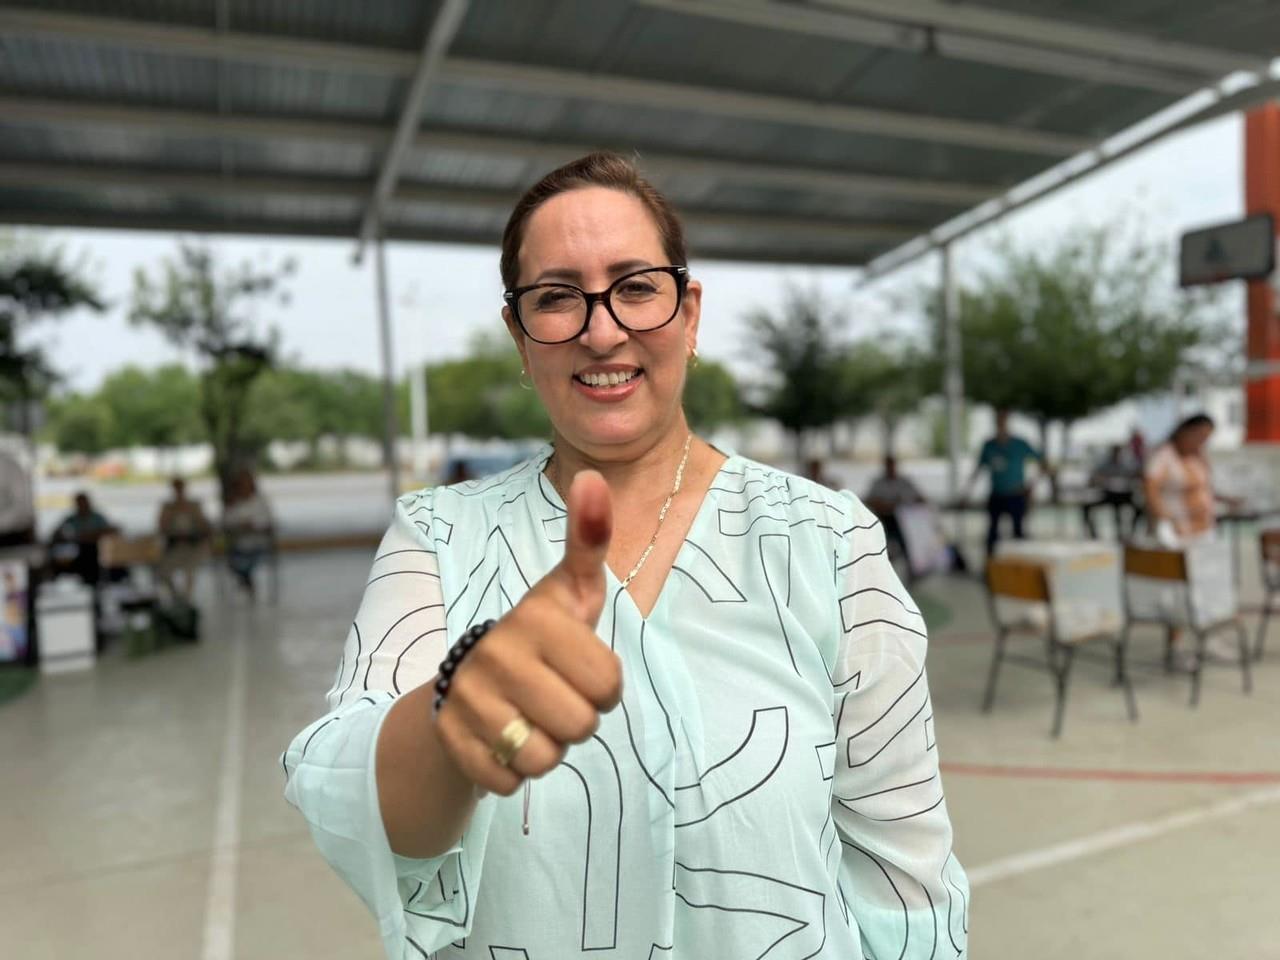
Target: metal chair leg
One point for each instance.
(1198, 668)
(1169, 634)
(989, 698)
(1061, 674)
(1262, 626)
(1122, 675)
(1245, 667)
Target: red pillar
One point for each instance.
(1262, 351)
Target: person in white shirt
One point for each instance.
(248, 527)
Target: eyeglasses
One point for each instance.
(638, 302)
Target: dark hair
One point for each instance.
(1191, 423)
(599, 169)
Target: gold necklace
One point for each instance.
(662, 514)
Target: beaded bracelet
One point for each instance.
(449, 666)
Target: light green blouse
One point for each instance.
(767, 790)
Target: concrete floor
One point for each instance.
(134, 825)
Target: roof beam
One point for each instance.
(923, 40)
(343, 229)
(557, 82)
(551, 153)
(582, 85)
(499, 202)
(1053, 33)
(435, 46)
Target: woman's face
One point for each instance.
(588, 238)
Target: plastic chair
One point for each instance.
(1020, 580)
(1170, 567)
(1269, 543)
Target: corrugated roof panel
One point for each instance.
(297, 91)
(393, 23)
(465, 169)
(82, 69)
(575, 34)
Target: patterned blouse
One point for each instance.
(768, 787)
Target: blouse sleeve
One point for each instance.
(898, 873)
(395, 644)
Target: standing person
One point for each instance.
(707, 664)
(248, 528)
(185, 531)
(1179, 485)
(887, 493)
(1005, 457)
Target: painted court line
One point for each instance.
(1031, 772)
(220, 905)
(1121, 836)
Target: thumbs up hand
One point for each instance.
(541, 663)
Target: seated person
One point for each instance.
(888, 492)
(185, 531)
(248, 527)
(74, 545)
(1114, 481)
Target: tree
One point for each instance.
(152, 408)
(802, 348)
(480, 396)
(711, 396)
(1065, 332)
(201, 306)
(886, 378)
(35, 285)
(80, 424)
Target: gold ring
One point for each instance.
(514, 736)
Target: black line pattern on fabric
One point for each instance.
(592, 920)
(906, 918)
(942, 878)
(933, 951)
(395, 553)
(725, 579)
(413, 943)
(865, 556)
(884, 746)
(892, 596)
(395, 673)
(964, 900)
(845, 801)
(404, 573)
(765, 566)
(653, 950)
(461, 884)
(390, 630)
(929, 740)
(355, 664)
(883, 621)
(889, 709)
(644, 659)
(908, 816)
(303, 754)
(739, 774)
(768, 890)
(478, 488)
(508, 953)
(826, 764)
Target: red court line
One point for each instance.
(1217, 777)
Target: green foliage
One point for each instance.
(79, 424)
(155, 408)
(711, 397)
(200, 305)
(480, 396)
(884, 377)
(1067, 332)
(35, 285)
(802, 348)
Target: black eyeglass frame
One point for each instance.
(681, 275)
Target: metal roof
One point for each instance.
(816, 131)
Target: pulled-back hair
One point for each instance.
(1191, 423)
(599, 169)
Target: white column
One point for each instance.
(391, 428)
(953, 381)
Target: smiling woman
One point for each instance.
(733, 743)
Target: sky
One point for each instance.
(443, 295)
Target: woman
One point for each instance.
(248, 528)
(1179, 487)
(763, 784)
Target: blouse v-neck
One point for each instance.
(612, 581)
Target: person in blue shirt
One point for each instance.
(1005, 457)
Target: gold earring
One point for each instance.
(693, 357)
(525, 386)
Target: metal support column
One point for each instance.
(391, 428)
(953, 382)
